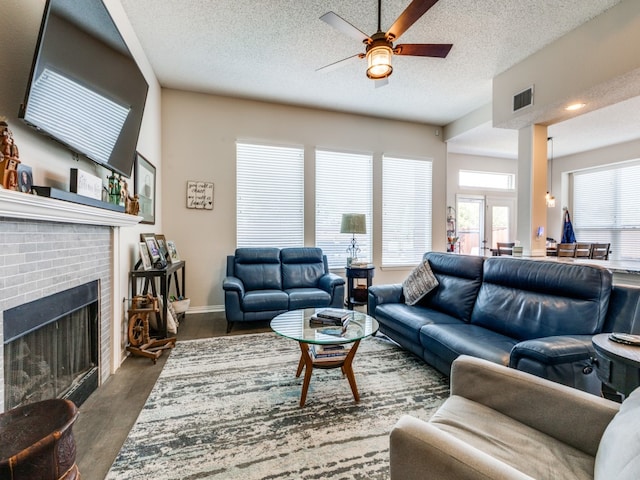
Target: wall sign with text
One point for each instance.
(200, 195)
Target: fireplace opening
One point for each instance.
(51, 347)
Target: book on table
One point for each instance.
(328, 316)
(330, 353)
(334, 314)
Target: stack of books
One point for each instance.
(331, 316)
(329, 353)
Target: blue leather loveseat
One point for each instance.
(264, 282)
(534, 315)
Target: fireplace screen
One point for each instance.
(55, 356)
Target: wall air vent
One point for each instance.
(523, 99)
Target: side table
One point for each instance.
(355, 295)
(618, 365)
(162, 276)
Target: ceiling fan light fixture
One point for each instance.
(379, 61)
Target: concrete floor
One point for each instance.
(109, 413)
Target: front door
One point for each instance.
(500, 221)
(483, 222)
(471, 228)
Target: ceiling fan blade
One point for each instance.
(339, 23)
(411, 14)
(338, 64)
(440, 50)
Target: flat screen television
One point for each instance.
(85, 89)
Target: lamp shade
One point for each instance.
(353, 223)
(379, 62)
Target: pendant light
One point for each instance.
(549, 198)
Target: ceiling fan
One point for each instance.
(379, 46)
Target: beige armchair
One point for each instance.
(501, 423)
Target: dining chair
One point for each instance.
(600, 251)
(505, 248)
(583, 250)
(566, 250)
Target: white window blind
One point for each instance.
(270, 196)
(406, 210)
(605, 204)
(343, 185)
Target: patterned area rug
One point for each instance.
(228, 408)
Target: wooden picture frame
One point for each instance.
(149, 240)
(162, 245)
(144, 176)
(144, 256)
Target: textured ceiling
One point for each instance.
(270, 50)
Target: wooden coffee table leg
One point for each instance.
(347, 369)
(301, 363)
(305, 360)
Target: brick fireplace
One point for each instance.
(49, 246)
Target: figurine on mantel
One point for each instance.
(8, 157)
(131, 203)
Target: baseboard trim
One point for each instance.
(205, 309)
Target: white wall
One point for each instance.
(199, 135)
(19, 26)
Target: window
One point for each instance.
(406, 210)
(343, 185)
(270, 196)
(487, 180)
(605, 203)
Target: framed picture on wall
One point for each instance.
(144, 176)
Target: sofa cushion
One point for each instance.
(450, 341)
(307, 298)
(267, 300)
(524, 448)
(301, 267)
(527, 299)
(409, 320)
(459, 277)
(420, 281)
(619, 451)
(258, 268)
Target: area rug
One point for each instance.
(228, 408)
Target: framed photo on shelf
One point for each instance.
(173, 251)
(144, 176)
(162, 245)
(152, 245)
(25, 178)
(144, 255)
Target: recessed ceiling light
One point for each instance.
(574, 106)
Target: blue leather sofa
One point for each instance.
(264, 282)
(534, 315)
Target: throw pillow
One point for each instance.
(617, 455)
(419, 282)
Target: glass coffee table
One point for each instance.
(312, 338)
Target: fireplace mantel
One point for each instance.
(32, 207)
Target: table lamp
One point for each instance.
(353, 223)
